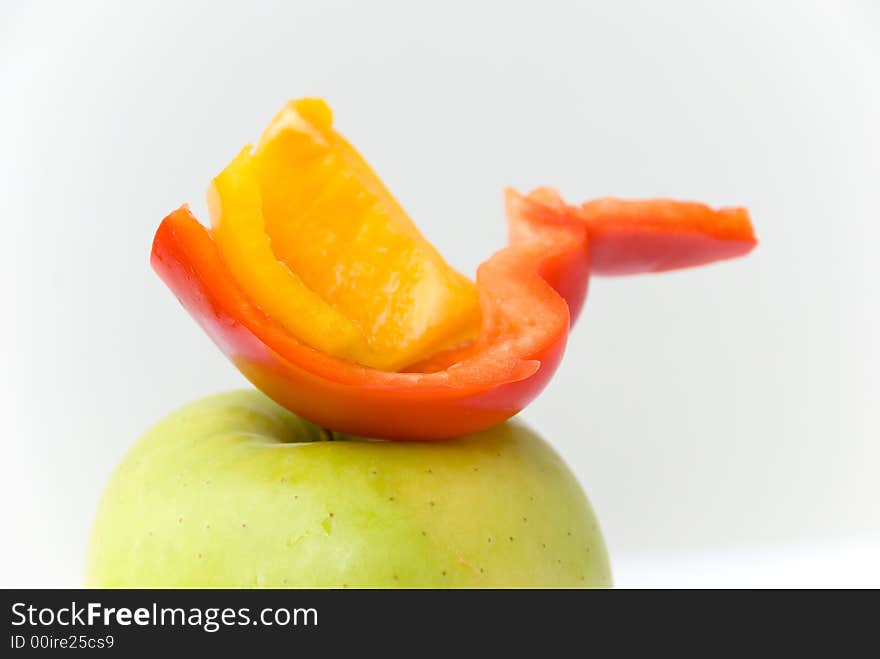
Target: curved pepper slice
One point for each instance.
(526, 291)
(316, 240)
(632, 237)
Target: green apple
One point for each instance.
(236, 491)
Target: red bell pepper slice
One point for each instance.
(526, 291)
(632, 237)
(530, 293)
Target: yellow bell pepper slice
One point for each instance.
(316, 241)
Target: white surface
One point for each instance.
(709, 414)
(838, 564)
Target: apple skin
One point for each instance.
(235, 491)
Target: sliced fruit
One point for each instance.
(630, 237)
(522, 336)
(318, 243)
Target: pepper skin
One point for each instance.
(526, 291)
(655, 235)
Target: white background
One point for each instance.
(724, 421)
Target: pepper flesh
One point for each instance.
(358, 354)
(630, 237)
(524, 328)
(315, 240)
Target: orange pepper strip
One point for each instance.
(526, 291)
(633, 237)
